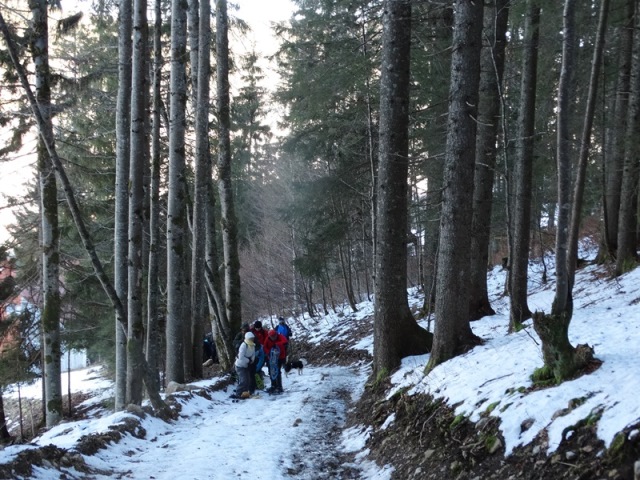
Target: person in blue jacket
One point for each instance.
(283, 329)
(258, 374)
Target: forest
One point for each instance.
(421, 143)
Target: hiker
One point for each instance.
(239, 338)
(275, 352)
(209, 354)
(283, 329)
(259, 332)
(246, 357)
(258, 374)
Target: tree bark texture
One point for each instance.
(176, 214)
(616, 130)
(523, 171)
(563, 302)
(153, 289)
(49, 233)
(121, 224)
(585, 143)
(452, 332)
(135, 331)
(229, 225)
(628, 215)
(202, 174)
(396, 334)
(496, 14)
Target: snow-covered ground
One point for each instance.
(293, 435)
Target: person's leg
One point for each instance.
(243, 380)
(252, 379)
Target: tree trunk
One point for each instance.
(176, 215)
(202, 174)
(49, 234)
(228, 222)
(522, 176)
(452, 333)
(121, 224)
(616, 130)
(553, 329)
(396, 334)
(153, 288)
(496, 14)
(628, 215)
(135, 332)
(585, 144)
(563, 303)
(222, 331)
(74, 209)
(5, 436)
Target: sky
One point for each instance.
(259, 14)
(263, 437)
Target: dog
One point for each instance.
(297, 364)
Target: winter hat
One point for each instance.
(272, 334)
(257, 324)
(245, 327)
(281, 319)
(249, 336)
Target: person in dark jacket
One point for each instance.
(275, 341)
(259, 331)
(239, 338)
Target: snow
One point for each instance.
(289, 435)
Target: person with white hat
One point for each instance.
(246, 355)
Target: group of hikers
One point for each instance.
(256, 347)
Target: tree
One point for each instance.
(396, 334)
(202, 175)
(496, 14)
(560, 357)
(452, 333)
(229, 226)
(49, 234)
(522, 176)
(121, 192)
(138, 136)
(627, 257)
(176, 215)
(615, 131)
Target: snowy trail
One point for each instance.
(295, 435)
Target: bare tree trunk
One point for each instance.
(202, 174)
(452, 333)
(585, 144)
(523, 171)
(628, 215)
(222, 331)
(176, 215)
(153, 288)
(615, 139)
(121, 192)
(135, 332)
(396, 333)
(49, 234)
(496, 14)
(560, 359)
(228, 221)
